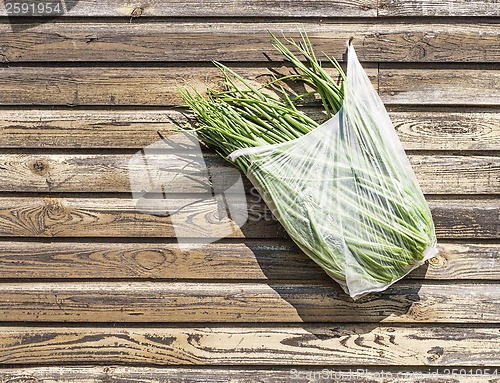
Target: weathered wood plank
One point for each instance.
(105, 85)
(418, 130)
(439, 86)
(119, 217)
(469, 8)
(461, 217)
(129, 374)
(463, 261)
(202, 41)
(405, 302)
(156, 86)
(123, 217)
(89, 173)
(87, 128)
(447, 130)
(275, 8)
(264, 260)
(457, 174)
(219, 8)
(74, 217)
(308, 345)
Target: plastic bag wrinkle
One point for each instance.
(346, 194)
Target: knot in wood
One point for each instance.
(436, 261)
(435, 353)
(151, 259)
(39, 167)
(91, 38)
(417, 52)
(54, 209)
(137, 11)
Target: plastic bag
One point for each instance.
(346, 193)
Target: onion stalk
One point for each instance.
(385, 224)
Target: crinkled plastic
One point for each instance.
(346, 193)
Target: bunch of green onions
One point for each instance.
(385, 223)
(243, 116)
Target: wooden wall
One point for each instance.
(93, 291)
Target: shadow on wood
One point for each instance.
(228, 206)
(322, 298)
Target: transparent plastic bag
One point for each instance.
(346, 193)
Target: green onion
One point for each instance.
(373, 224)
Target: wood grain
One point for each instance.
(439, 86)
(307, 345)
(220, 8)
(469, 8)
(457, 174)
(463, 261)
(457, 129)
(97, 290)
(275, 8)
(462, 218)
(405, 302)
(129, 374)
(120, 85)
(253, 261)
(186, 172)
(106, 128)
(119, 217)
(156, 86)
(243, 41)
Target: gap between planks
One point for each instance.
(253, 374)
(204, 9)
